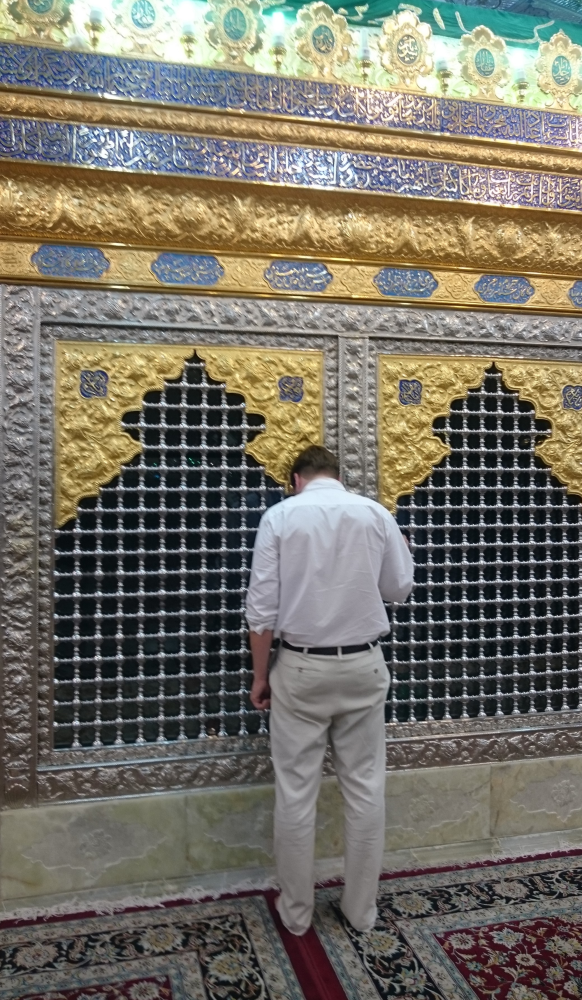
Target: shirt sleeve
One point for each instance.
(262, 606)
(397, 572)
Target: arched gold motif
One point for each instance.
(97, 383)
(285, 387)
(556, 393)
(412, 392)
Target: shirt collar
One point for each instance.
(325, 483)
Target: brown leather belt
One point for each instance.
(330, 650)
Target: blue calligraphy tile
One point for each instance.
(410, 392)
(187, 269)
(572, 397)
(504, 288)
(298, 276)
(291, 389)
(411, 283)
(55, 261)
(575, 294)
(93, 384)
(108, 148)
(91, 73)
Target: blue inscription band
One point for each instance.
(98, 75)
(133, 150)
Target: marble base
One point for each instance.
(209, 841)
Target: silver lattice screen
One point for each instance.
(150, 579)
(493, 623)
(150, 638)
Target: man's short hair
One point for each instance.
(314, 460)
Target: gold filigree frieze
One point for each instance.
(63, 206)
(556, 393)
(412, 392)
(96, 384)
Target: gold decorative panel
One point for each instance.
(97, 383)
(556, 393)
(285, 387)
(413, 391)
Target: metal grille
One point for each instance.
(150, 636)
(493, 623)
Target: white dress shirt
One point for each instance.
(323, 564)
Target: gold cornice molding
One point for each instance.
(96, 384)
(290, 131)
(112, 210)
(414, 390)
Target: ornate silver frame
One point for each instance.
(351, 338)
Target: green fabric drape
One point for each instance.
(517, 28)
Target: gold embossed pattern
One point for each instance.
(91, 445)
(556, 393)
(97, 383)
(258, 376)
(413, 392)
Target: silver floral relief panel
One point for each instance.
(351, 338)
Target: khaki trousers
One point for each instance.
(313, 697)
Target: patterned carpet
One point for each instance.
(228, 950)
(506, 932)
(510, 931)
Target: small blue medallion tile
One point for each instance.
(187, 269)
(323, 39)
(291, 389)
(561, 71)
(298, 276)
(399, 281)
(572, 397)
(235, 24)
(575, 294)
(56, 261)
(500, 288)
(143, 14)
(485, 62)
(410, 392)
(93, 384)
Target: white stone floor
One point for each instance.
(235, 880)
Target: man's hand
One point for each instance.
(260, 695)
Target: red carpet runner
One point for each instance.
(508, 931)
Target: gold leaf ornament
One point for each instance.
(235, 28)
(96, 384)
(556, 393)
(322, 38)
(41, 18)
(261, 376)
(143, 25)
(484, 62)
(406, 47)
(558, 65)
(412, 393)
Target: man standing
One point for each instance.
(324, 562)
